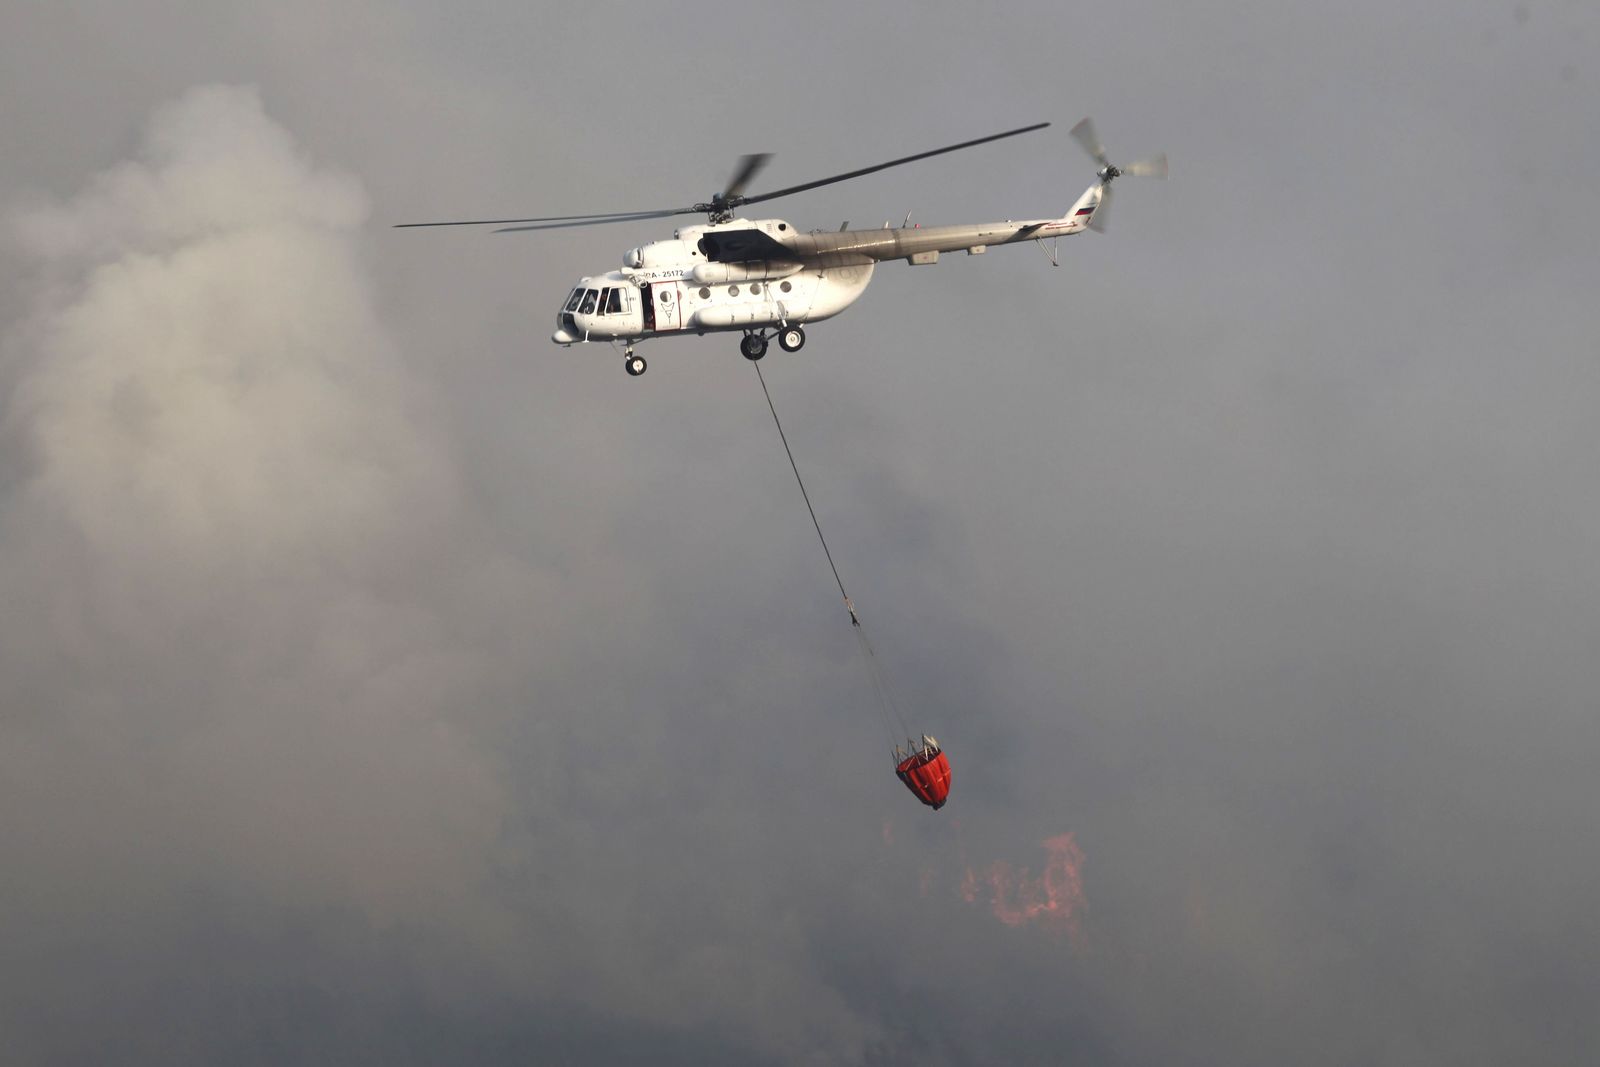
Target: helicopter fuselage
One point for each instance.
(759, 275)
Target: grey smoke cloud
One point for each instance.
(378, 682)
(221, 674)
(259, 645)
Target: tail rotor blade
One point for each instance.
(1084, 134)
(1154, 167)
(1097, 221)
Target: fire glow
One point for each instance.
(1054, 899)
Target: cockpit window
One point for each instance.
(577, 295)
(587, 307)
(614, 302)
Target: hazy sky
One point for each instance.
(381, 683)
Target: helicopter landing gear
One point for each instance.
(791, 338)
(634, 365)
(754, 346)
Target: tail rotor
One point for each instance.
(1154, 167)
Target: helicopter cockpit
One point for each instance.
(598, 309)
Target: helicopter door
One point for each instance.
(667, 298)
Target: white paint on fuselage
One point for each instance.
(802, 278)
(807, 295)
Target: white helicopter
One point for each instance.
(765, 278)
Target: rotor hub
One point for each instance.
(720, 208)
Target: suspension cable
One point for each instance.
(888, 707)
(893, 718)
(790, 453)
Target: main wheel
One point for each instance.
(754, 346)
(634, 365)
(791, 338)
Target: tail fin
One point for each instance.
(1082, 213)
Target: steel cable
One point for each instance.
(886, 702)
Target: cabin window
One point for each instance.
(785, 286)
(614, 302)
(577, 295)
(756, 289)
(589, 298)
(705, 294)
(733, 290)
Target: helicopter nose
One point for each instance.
(562, 337)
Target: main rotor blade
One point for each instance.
(884, 166)
(1154, 167)
(591, 221)
(749, 167)
(1084, 134)
(593, 218)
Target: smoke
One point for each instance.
(262, 651)
(225, 555)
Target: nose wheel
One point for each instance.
(634, 365)
(754, 346)
(791, 338)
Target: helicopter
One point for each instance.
(764, 278)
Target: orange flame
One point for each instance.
(1054, 899)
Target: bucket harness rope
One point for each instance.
(887, 705)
